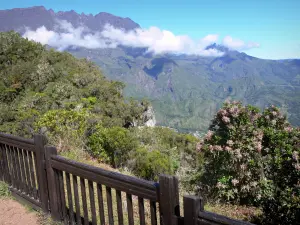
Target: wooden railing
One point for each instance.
(22, 167)
(77, 193)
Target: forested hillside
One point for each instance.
(80, 111)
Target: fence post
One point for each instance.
(169, 199)
(192, 207)
(40, 142)
(54, 198)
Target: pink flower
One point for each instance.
(231, 110)
(297, 166)
(227, 148)
(288, 129)
(258, 146)
(225, 119)
(210, 147)
(243, 167)
(223, 112)
(260, 136)
(295, 156)
(230, 142)
(218, 148)
(209, 135)
(234, 182)
(274, 113)
(199, 146)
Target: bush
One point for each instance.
(112, 145)
(281, 204)
(232, 155)
(253, 158)
(150, 164)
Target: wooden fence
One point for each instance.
(77, 193)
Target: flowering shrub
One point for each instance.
(253, 158)
(232, 150)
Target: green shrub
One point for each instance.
(112, 145)
(4, 191)
(150, 164)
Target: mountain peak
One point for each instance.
(38, 16)
(218, 47)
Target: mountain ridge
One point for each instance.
(38, 16)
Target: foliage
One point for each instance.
(149, 164)
(281, 204)
(146, 151)
(232, 152)
(38, 85)
(253, 158)
(112, 145)
(4, 191)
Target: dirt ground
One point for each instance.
(13, 213)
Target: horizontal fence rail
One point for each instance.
(77, 193)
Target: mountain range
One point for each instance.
(185, 90)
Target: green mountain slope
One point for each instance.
(186, 91)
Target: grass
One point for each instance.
(4, 191)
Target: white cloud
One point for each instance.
(154, 39)
(237, 44)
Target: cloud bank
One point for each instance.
(157, 41)
(237, 44)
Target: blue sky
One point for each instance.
(274, 24)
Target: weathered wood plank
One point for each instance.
(130, 209)
(84, 202)
(153, 213)
(62, 194)
(52, 186)
(169, 199)
(32, 175)
(39, 144)
(101, 204)
(76, 196)
(26, 166)
(70, 199)
(142, 211)
(92, 202)
(109, 206)
(192, 206)
(119, 207)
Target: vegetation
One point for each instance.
(252, 158)
(79, 110)
(4, 191)
(247, 158)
